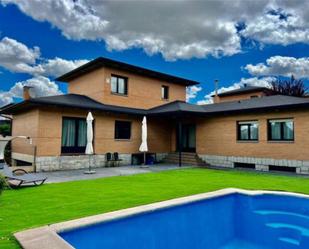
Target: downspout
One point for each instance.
(179, 143)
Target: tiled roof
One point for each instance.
(71, 101)
(101, 62)
(246, 89)
(177, 107)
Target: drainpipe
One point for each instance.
(179, 143)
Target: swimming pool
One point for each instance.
(229, 221)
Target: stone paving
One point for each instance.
(75, 175)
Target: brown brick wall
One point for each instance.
(218, 136)
(215, 136)
(143, 92)
(25, 124)
(47, 131)
(240, 96)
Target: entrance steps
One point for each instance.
(187, 158)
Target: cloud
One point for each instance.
(284, 25)
(42, 86)
(57, 66)
(191, 92)
(262, 82)
(5, 98)
(16, 56)
(281, 66)
(176, 29)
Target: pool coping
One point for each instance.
(47, 236)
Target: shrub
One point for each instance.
(5, 129)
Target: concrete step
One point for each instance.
(187, 158)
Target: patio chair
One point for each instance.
(19, 177)
(109, 159)
(117, 160)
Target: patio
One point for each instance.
(75, 175)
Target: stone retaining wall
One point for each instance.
(262, 164)
(81, 161)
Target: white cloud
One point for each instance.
(286, 26)
(16, 56)
(281, 66)
(57, 66)
(191, 92)
(5, 98)
(42, 86)
(176, 29)
(262, 82)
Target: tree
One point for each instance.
(291, 87)
(5, 129)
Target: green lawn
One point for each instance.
(50, 203)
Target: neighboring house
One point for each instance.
(247, 92)
(246, 128)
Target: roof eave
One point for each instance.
(100, 62)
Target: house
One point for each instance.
(246, 92)
(250, 127)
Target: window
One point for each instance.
(119, 85)
(164, 92)
(248, 130)
(122, 129)
(281, 130)
(74, 135)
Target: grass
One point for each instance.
(32, 207)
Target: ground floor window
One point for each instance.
(281, 130)
(74, 135)
(122, 129)
(248, 131)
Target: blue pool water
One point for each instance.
(235, 221)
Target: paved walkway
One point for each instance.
(74, 175)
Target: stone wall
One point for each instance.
(261, 164)
(54, 163)
(161, 156)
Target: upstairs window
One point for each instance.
(281, 130)
(164, 92)
(119, 85)
(248, 131)
(74, 135)
(122, 129)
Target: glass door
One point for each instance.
(188, 138)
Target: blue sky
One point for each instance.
(35, 48)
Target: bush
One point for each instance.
(3, 183)
(5, 129)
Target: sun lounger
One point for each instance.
(20, 177)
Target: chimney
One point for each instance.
(216, 97)
(26, 92)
